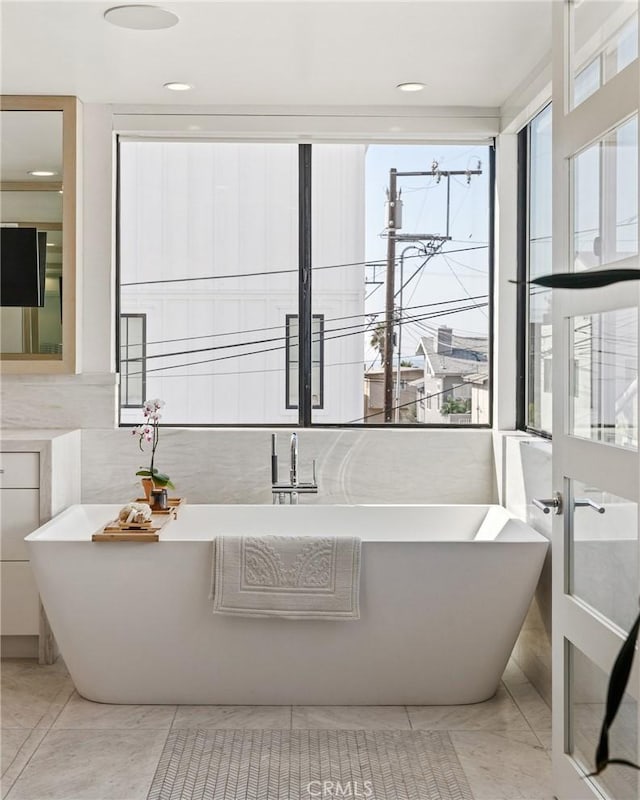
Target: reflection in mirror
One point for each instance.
(31, 234)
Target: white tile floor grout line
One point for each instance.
(170, 729)
(526, 719)
(44, 730)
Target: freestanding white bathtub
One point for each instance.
(444, 591)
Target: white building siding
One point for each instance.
(198, 209)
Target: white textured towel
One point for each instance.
(296, 577)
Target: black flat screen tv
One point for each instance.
(23, 264)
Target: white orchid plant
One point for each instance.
(149, 432)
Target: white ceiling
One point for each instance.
(308, 52)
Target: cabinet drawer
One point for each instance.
(19, 470)
(20, 611)
(19, 516)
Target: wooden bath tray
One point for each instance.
(128, 532)
(173, 504)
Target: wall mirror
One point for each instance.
(38, 232)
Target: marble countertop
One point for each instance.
(44, 440)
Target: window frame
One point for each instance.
(124, 377)
(305, 269)
(288, 362)
(522, 269)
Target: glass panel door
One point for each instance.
(603, 377)
(603, 568)
(587, 706)
(596, 467)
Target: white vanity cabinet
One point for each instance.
(19, 514)
(39, 477)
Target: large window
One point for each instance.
(534, 163)
(604, 231)
(341, 284)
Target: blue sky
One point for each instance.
(424, 211)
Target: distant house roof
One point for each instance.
(466, 353)
(406, 373)
(476, 377)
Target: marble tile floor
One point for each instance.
(58, 746)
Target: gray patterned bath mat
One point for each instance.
(308, 765)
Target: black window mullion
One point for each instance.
(304, 286)
(492, 266)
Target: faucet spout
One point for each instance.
(281, 491)
(293, 472)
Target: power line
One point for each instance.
(317, 337)
(462, 286)
(236, 372)
(476, 348)
(375, 262)
(465, 266)
(433, 315)
(363, 329)
(330, 319)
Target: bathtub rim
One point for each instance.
(513, 530)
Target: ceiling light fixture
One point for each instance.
(411, 86)
(175, 86)
(42, 173)
(141, 17)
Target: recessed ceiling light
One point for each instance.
(141, 18)
(412, 86)
(178, 87)
(42, 173)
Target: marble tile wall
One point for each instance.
(233, 465)
(58, 401)
(353, 466)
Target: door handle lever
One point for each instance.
(589, 503)
(546, 504)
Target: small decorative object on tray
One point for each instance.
(144, 530)
(173, 503)
(135, 514)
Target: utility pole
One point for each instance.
(394, 223)
(389, 321)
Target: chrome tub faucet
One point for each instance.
(280, 491)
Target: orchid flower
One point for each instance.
(149, 432)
